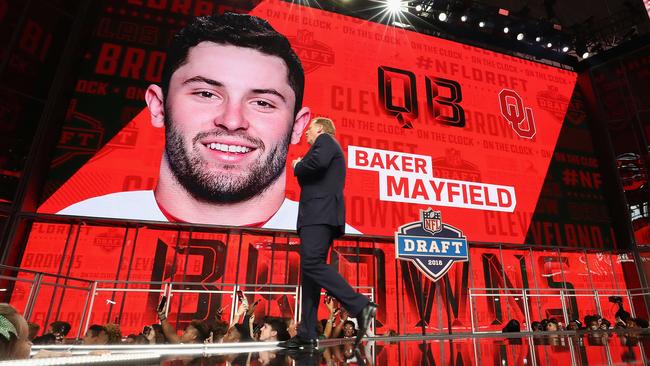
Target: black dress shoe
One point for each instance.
(298, 343)
(364, 319)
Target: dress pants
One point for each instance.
(315, 243)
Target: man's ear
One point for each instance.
(156, 103)
(301, 121)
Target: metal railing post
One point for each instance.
(90, 308)
(630, 303)
(471, 309)
(83, 313)
(526, 311)
(600, 312)
(33, 295)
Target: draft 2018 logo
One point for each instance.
(430, 244)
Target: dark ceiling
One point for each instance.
(593, 25)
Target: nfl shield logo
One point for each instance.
(431, 221)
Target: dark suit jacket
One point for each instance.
(321, 175)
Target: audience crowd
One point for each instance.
(17, 335)
(623, 320)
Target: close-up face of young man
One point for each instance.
(267, 333)
(229, 119)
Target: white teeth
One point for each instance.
(228, 148)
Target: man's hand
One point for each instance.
(251, 307)
(344, 315)
(296, 161)
(161, 315)
(329, 302)
(241, 310)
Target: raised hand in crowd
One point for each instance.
(338, 330)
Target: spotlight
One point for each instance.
(585, 55)
(538, 39)
(463, 18)
(520, 37)
(418, 7)
(394, 6)
(565, 49)
(481, 24)
(442, 17)
(549, 45)
(506, 30)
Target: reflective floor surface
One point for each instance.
(630, 348)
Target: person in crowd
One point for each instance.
(114, 333)
(536, 326)
(328, 325)
(349, 329)
(604, 324)
(292, 327)
(218, 328)
(235, 334)
(141, 340)
(45, 339)
(552, 325)
(620, 318)
(95, 335)
(195, 332)
(512, 326)
(592, 322)
(14, 334)
(159, 335)
(345, 327)
(274, 330)
(575, 324)
(33, 330)
(60, 330)
(391, 333)
(642, 323)
(130, 339)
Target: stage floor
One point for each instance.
(562, 348)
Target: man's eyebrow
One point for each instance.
(270, 91)
(201, 79)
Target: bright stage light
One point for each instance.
(481, 24)
(418, 7)
(520, 37)
(549, 45)
(463, 18)
(538, 39)
(565, 49)
(506, 30)
(394, 6)
(585, 55)
(442, 17)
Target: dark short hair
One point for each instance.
(48, 338)
(202, 329)
(512, 326)
(239, 30)
(95, 330)
(643, 323)
(61, 327)
(280, 328)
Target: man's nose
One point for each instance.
(232, 117)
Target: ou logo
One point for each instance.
(520, 118)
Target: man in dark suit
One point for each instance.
(321, 219)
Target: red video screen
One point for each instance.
(423, 121)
